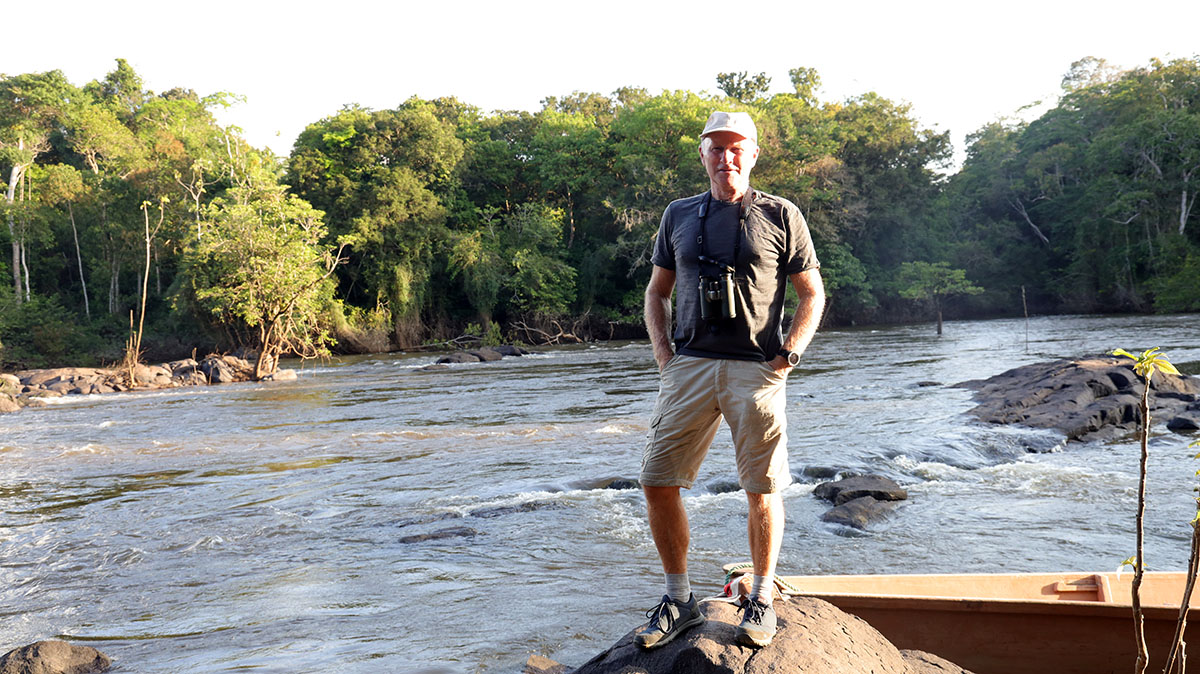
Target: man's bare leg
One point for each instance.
(765, 527)
(668, 526)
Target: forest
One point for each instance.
(134, 221)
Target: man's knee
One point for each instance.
(661, 495)
(772, 502)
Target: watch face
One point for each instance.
(793, 359)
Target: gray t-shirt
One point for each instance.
(774, 244)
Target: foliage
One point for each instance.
(743, 86)
(1146, 363)
(42, 333)
(261, 273)
(453, 215)
(934, 282)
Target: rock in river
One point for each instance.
(54, 657)
(1084, 399)
(876, 486)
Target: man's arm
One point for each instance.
(811, 291)
(658, 313)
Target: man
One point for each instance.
(742, 248)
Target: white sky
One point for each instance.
(960, 64)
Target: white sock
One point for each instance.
(762, 590)
(679, 588)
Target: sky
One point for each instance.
(958, 64)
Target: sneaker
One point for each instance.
(758, 623)
(668, 620)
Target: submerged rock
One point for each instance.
(54, 657)
(440, 534)
(526, 507)
(281, 375)
(1081, 398)
(814, 636)
(485, 354)
(859, 513)
(537, 664)
(459, 357)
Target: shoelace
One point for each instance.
(754, 611)
(656, 613)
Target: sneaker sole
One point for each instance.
(747, 639)
(679, 629)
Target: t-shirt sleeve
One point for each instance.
(664, 250)
(801, 254)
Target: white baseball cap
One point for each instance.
(735, 122)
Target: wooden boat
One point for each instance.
(1063, 623)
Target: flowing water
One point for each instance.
(373, 517)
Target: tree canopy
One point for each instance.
(450, 215)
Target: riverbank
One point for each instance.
(37, 387)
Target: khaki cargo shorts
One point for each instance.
(694, 393)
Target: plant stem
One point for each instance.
(1177, 644)
(1143, 658)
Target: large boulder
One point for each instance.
(225, 369)
(486, 354)
(54, 657)
(8, 403)
(814, 637)
(876, 486)
(459, 357)
(1185, 422)
(10, 384)
(1084, 399)
(46, 378)
(860, 500)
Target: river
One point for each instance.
(373, 517)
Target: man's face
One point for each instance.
(728, 158)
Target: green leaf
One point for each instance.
(1167, 367)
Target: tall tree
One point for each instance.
(744, 87)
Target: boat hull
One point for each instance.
(1030, 623)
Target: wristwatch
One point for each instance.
(793, 358)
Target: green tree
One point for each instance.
(934, 282)
(262, 273)
(744, 87)
(381, 178)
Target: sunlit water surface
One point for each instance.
(285, 527)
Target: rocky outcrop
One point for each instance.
(33, 387)
(814, 636)
(860, 500)
(1090, 398)
(54, 657)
